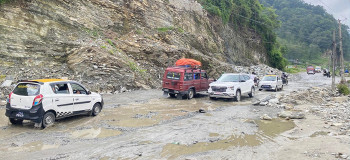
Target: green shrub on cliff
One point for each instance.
(4, 1)
(251, 15)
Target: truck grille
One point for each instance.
(218, 89)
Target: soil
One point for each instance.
(146, 125)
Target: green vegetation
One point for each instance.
(2, 77)
(110, 42)
(293, 70)
(4, 1)
(134, 67)
(138, 31)
(104, 47)
(343, 89)
(165, 29)
(306, 30)
(251, 14)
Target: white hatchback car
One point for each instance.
(271, 82)
(45, 100)
(231, 85)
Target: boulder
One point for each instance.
(292, 114)
(265, 117)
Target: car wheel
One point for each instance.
(213, 98)
(48, 119)
(238, 96)
(96, 109)
(16, 121)
(172, 95)
(260, 89)
(190, 94)
(252, 92)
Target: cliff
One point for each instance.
(117, 45)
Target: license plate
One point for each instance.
(20, 114)
(217, 93)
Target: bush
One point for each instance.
(343, 89)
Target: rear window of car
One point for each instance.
(269, 78)
(173, 75)
(27, 89)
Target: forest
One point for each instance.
(306, 30)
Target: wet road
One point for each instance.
(146, 125)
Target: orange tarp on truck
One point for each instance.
(185, 61)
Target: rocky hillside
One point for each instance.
(117, 45)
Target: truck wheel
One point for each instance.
(172, 95)
(16, 121)
(48, 119)
(238, 96)
(190, 94)
(252, 92)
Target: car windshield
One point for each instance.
(228, 78)
(269, 78)
(27, 89)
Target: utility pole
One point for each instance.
(333, 61)
(341, 55)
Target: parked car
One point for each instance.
(318, 69)
(231, 85)
(184, 81)
(310, 70)
(45, 100)
(271, 82)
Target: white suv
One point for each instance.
(231, 85)
(271, 82)
(45, 100)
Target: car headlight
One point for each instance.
(232, 87)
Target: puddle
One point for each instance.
(95, 133)
(172, 151)
(274, 127)
(33, 146)
(155, 111)
(319, 133)
(266, 130)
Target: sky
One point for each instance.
(340, 9)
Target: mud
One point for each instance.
(146, 125)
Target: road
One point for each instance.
(145, 125)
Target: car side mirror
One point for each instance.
(88, 92)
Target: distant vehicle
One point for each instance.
(318, 69)
(231, 85)
(310, 70)
(271, 82)
(326, 73)
(184, 81)
(45, 100)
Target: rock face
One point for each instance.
(117, 44)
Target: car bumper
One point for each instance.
(267, 87)
(222, 95)
(171, 91)
(34, 114)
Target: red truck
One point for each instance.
(184, 81)
(310, 70)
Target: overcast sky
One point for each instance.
(340, 9)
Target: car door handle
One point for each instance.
(76, 99)
(57, 100)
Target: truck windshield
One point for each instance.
(269, 78)
(173, 75)
(27, 89)
(228, 78)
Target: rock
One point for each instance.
(2, 103)
(292, 114)
(289, 107)
(263, 103)
(274, 101)
(201, 110)
(265, 117)
(344, 156)
(340, 99)
(256, 102)
(7, 83)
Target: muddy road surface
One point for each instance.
(146, 125)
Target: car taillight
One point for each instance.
(9, 98)
(38, 99)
